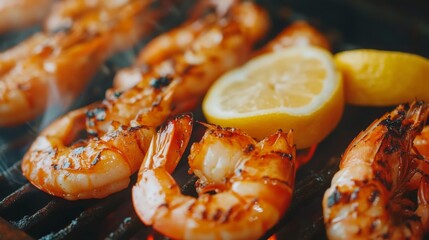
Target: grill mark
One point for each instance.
(217, 215)
(284, 155)
(372, 227)
(249, 148)
(272, 181)
(160, 82)
(227, 215)
(379, 177)
(135, 128)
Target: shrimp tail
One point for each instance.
(168, 145)
(165, 151)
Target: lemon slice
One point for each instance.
(297, 88)
(382, 78)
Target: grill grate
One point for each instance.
(93, 211)
(26, 212)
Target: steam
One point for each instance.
(5, 171)
(56, 104)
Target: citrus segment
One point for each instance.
(382, 78)
(296, 88)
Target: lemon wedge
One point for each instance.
(382, 78)
(296, 88)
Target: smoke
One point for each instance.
(11, 176)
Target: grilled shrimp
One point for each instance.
(199, 51)
(45, 66)
(368, 196)
(124, 22)
(253, 183)
(421, 178)
(92, 168)
(17, 14)
(147, 104)
(95, 167)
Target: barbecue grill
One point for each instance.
(27, 213)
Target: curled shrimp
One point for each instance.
(90, 168)
(46, 66)
(368, 196)
(253, 183)
(19, 14)
(87, 169)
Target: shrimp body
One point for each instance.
(124, 22)
(95, 167)
(198, 52)
(19, 14)
(253, 184)
(46, 66)
(367, 198)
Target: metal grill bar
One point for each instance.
(5, 178)
(128, 227)
(43, 214)
(305, 191)
(16, 197)
(90, 215)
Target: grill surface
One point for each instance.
(26, 212)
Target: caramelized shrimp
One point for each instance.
(253, 183)
(17, 14)
(87, 169)
(368, 197)
(46, 66)
(199, 51)
(124, 22)
(93, 167)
